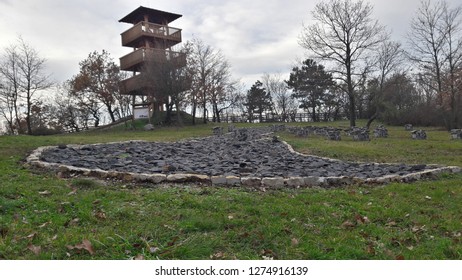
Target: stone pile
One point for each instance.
(231, 128)
(419, 134)
(278, 127)
(359, 133)
(456, 133)
(248, 157)
(380, 132)
(217, 131)
(149, 127)
(330, 133)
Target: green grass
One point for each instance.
(45, 217)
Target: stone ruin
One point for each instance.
(330, 133)
(456, 133)
(358, 133)
(380, 132)
(217, 131)
(278, 127)
(247, 157)
(419, 134)
(149, 127)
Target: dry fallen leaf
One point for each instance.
(72, 222)
(139, 258)
(73, 192)
(44, 224)
(45, 193)
(35, 249)
(359, 219)
(152, 250)
(348, 224)
(295, 242)
(370, 249)
(31, 236)
(416, 228)
(100, 215)
(85, 245)
(218, 255)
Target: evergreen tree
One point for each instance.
(258, 101)
(310, 83)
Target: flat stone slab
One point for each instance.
(250, 157)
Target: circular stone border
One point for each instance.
(33, 160)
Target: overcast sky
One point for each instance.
(256, 36)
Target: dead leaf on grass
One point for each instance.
(295, 242)
(370, 249)
(73, 192)
(72, 222)
(139, 258)
(85, 245)
(391, 224)
(44, 224)
(359, 219)
(101, 215)
(218, 255)
(348, 225)
(417, 228)
(35, 249)
(31, 236)
(45, 193)
(153, 250)
(174, 240)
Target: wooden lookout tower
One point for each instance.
(152, 40)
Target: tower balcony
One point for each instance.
(135, 60)
(133, 86)
(166, 35)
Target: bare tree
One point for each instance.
(453, 49)
(344, 33)
(390, 58)
(210, 76)
(435, 41)
(23, 74)
(426, 41)
(11, 87)
(284, 103)
(32, 67)
(7, 106)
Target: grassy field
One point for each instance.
(45, 217)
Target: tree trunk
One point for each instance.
(371, 119)
(194, 105)
(111, 112)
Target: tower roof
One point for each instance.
(155, 16)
